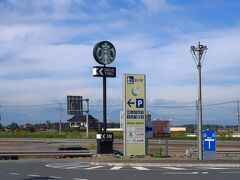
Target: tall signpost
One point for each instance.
(104, 53)
(198, 54)
(135, 114)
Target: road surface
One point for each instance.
(80, 170)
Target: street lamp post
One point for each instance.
(60, 114)
(238, 116)
(198, 53)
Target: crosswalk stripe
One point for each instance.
(55, 177)
(94, 167)
(33, 175)
(183, 173)
(140, 168)
(174, 168)
(116, 168)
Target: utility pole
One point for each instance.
(87, 117)
(238, 116)
(197, 53)
(60, 114)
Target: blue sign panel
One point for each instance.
(130, 79)
(139, 103)
(209, 140)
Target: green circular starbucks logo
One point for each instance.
(104, 52)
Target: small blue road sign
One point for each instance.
(130, 80)
(139, 103)
(209, 140)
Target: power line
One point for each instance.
(151, 105)
(221, 103)
(26, 106)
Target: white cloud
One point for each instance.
(41, 43)
(158, 6)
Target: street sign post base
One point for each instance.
(209, 155)
(104, 143)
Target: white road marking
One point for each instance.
(34, 175)
(76, 167)
(116, 168)
(94, 167)
(55, 177)
(181, 173)
(62, 165)
(14, 174)
(79, 179)
(140, 168)
(174, 168)
(204, 172)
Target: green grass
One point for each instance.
(92, 135)
(46, 134)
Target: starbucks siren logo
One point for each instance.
(104, 52)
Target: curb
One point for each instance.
(183, 164)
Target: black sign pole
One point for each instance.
(104, 53)
(104, 101)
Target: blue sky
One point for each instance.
(46, 48)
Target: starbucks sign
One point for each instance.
(104, 52)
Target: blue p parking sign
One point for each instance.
(139, 103)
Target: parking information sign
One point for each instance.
(134, 114)
(209, 144)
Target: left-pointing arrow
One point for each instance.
(100, 71)
(130, 102)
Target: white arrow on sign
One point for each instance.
(100, 71)
(209, 140)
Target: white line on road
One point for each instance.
(76, 167)
(140, 168)
(55, 177)
(116, 168)
(174, 168)
(204, 172)
(14, 174)
(94, 167)
(34, 175)
(181, 173)
(62, 165)
(79, 179)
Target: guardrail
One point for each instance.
(50, 153)
(191, 151)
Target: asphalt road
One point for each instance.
(79, 170)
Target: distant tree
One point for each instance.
(1, 127)
(30, 128)
(48, 124)
(12, 127)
